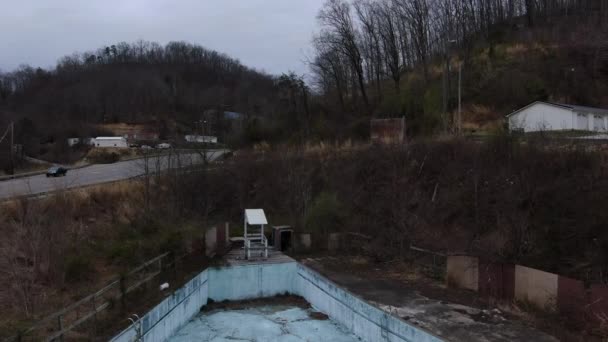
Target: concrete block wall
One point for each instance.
(303, 241)
(545, 290)
(210, 241)
(334, 241)
(536, 287)
(463, 272)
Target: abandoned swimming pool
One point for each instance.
(178, 317)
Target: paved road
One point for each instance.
(96, 174)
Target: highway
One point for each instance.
(98, 174)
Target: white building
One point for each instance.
(201, 139)
(546, 116)
(85, 141)
(118, 142)
(73, 141)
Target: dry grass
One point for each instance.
(99, 227)
(479, 116)
(517, 49)
(124, 128)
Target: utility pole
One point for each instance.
(446, 84)
(460, 99)
(12, 150)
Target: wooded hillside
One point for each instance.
(401, 57)
(136, 82)
(372, 58)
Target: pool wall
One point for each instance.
(268, 280)
(171, 314)
(364, 320)
(252, 281)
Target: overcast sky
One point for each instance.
(273, 35)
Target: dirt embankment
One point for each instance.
(519, 201)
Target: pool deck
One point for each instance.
(449, 321)
(236, 257)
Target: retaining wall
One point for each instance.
(255, 281)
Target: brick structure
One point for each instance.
(388, 131)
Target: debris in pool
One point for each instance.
(265, 323)
(319, 316)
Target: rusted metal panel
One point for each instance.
(508, 273)
(496, 280)
(388, 131)
(598, 302)
(571, 298)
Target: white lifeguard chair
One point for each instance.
(254, 238)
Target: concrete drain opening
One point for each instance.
(273, 300)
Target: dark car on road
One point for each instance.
(56, 171)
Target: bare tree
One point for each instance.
(336, 17)
(367, 14)
(390, 41)
(417, 14)
(330, 68)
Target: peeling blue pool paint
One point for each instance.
(366, 321)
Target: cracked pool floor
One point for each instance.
(264, 323)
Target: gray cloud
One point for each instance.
(273, 35)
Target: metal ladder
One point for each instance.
(136, 323)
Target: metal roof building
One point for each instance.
(548, 116)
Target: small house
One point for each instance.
(546, 116)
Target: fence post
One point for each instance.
(172, 265)
(94, 316)
(123, 293)
(60, 327)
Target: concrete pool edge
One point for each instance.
(365, 320)
(242, 282)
